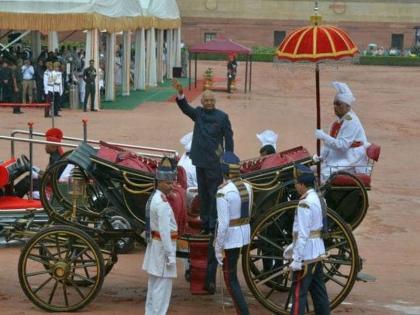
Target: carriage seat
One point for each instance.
(274, 160)
(126, 158)
(15, 203)
(373, 152)
(177, 200)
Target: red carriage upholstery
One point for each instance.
(182, 177)
(274, 160)
(344, 180)
(198, 258)
(177, 200)
(13, 202)
(373, 152)
(4, 172)
(125, 158)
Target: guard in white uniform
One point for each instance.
(185, 161)
(234, 204)
(161, 235)
(345, 145)
(268, 139)
(307, 248)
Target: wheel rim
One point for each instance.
(57, 201)
(354, 194)
(266, 271)
(61, 269)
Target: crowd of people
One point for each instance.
(45, 78)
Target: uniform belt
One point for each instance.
(356, 144)
(156, 235)
(238, 222)
(312, 234)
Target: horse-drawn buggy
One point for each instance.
(101, 209)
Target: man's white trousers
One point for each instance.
(158, 295)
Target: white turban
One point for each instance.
(268, 137)
(186, 141)
(344, 93)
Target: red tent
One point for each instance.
(223, 45)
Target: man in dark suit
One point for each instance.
(89, 75)
(212, 136)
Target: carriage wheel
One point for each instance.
(61, 269)
(266, 271)
(57, 201)
(349, 200)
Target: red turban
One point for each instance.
(54, 135)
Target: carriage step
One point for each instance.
(361, 276)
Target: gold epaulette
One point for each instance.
(303, 205)
(220, 195)
(348, 117)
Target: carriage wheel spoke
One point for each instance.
(269, 272)
(335, 280)
(269, 293)
(65, 293)
(53, 292)
(75, 274)
(58, 246)
(38, 259)
(76, 288)
(257, 257)
(42, 285)
(91, 264)
(269, 241)
(37, 273)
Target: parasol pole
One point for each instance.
(318, 98)
(318, 118)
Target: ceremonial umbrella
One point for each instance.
(315, 43)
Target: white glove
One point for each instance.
(36, 169)
(316, 158)
(295, 265)
(320, 134)
(35, 175)
(288, 252)
(170, 260)
(219, 255)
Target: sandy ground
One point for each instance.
(282, 99)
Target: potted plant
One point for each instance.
(208, 79)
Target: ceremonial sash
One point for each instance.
(335, 129)
(156, 235)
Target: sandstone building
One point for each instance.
(387, 23)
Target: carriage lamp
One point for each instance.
(77, 189)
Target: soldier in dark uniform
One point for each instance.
(17, 82)
(6, 83)
(231, 72)
(39, 81)
(212, 136)
(89, 75)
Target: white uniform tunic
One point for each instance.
(229, 208)
(53, 82)
(308, 217)
(186, 163)
(158, 253)
(338, 153)
(162, 220)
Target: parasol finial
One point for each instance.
(316, 19)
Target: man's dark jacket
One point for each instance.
(212, 134)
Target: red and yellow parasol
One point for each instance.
(315, 43)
